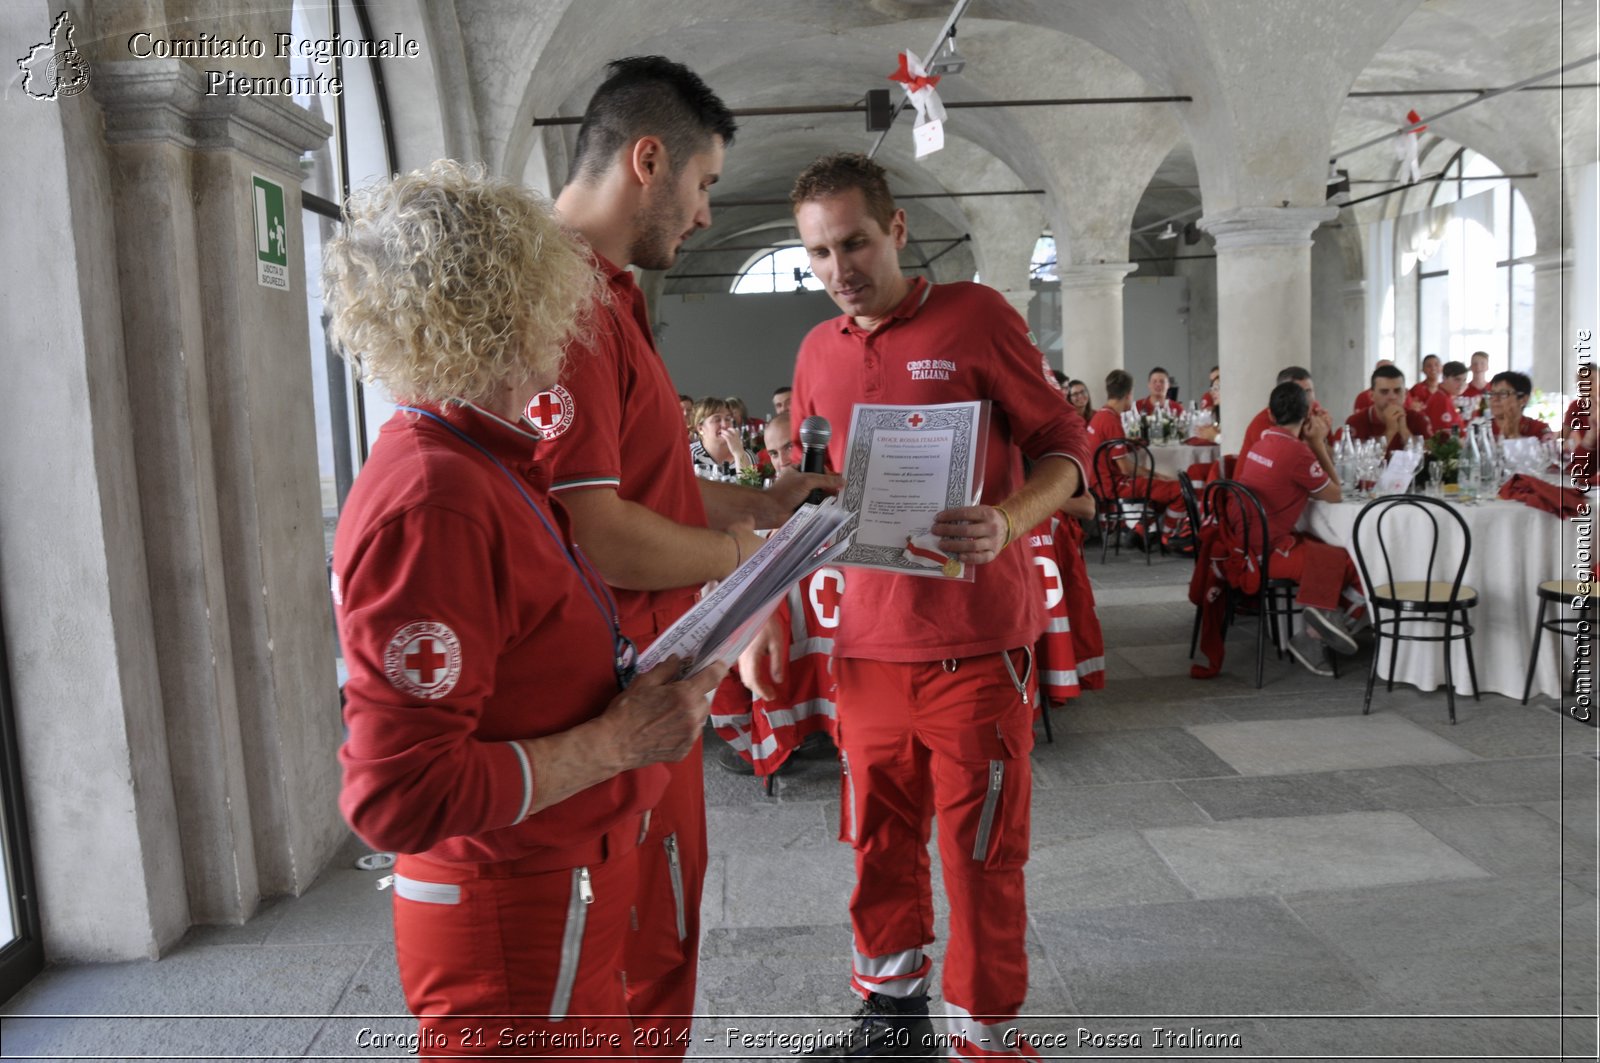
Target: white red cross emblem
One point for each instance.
(1050, 576)
(550, 412)
(826, 591)
(916, 420)
(423, 659)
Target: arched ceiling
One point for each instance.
(1103, 170)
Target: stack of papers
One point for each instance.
(725, 621)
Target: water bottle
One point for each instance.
(1467, 465)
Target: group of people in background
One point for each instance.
(726, 443)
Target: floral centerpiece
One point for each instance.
(1444, 449)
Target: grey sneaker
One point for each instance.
(1309, 652)
(1332, 628)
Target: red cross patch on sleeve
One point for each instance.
(551, 412)
(423, 659)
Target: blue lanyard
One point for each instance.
(626, 654)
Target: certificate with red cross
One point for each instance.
(903, 466)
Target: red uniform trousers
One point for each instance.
(950, 739)
(515, 959)
(1166, 498)
(662, 955)
(662, 958)
(1326, 575)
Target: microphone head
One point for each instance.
(815, 432)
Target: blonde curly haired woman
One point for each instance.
(497, 739)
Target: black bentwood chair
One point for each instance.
(1576, 594)
(1244, 527)
(1114, 511)
(1411, 605)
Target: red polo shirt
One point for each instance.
(1528, 427)
(943, 343)
(1252, 432)
(1106, 424)
(615, 422)
(1284, 474)
(1442, 413)
(465, 628)
(1368, 425)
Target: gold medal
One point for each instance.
(951, 567)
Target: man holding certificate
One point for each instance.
(936, 692)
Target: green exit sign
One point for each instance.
(272, 233)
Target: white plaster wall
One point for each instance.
(736, 344)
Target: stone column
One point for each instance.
(219, 372)
(1091, 322)
(1553, 362)
(1263, 302)
(79, 633)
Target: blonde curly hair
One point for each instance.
(447, 284)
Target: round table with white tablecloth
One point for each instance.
(1514, 548)
(1174, 459)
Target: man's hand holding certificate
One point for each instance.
(912, 474)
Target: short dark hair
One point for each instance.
(1160, 370)
(781, 391)
(1119, 382)
(1519, 382)
(1452, 369)
(649, 95)
(1425, 358)
(684, 398)
(835, 174)
(1295, 373)
(1387, 372)
(1288, 403)
(1060, 377)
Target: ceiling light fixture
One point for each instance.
(947, 60)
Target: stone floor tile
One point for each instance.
(1499, 728)
(1135, 756)
(1504, 839)
(1073, 811)
(1240, 956)
(781, 889)
(1086, 714)
(1159, 661)
(1517, 781)
(1400, 789)
(1347, 851)
(1106, 870)
(769, 825)
(1308, 794)
(372, 1008)
(1277, 747)
(236, 992)
(1480, 942)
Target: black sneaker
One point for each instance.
(887, 1027)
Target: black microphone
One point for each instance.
(815, 432)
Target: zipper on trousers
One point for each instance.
(850, 794)
(675, 872)
(997, 778)
(572, 942)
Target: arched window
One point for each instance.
(1475, 292)
(783, 269)
(1043, 265)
